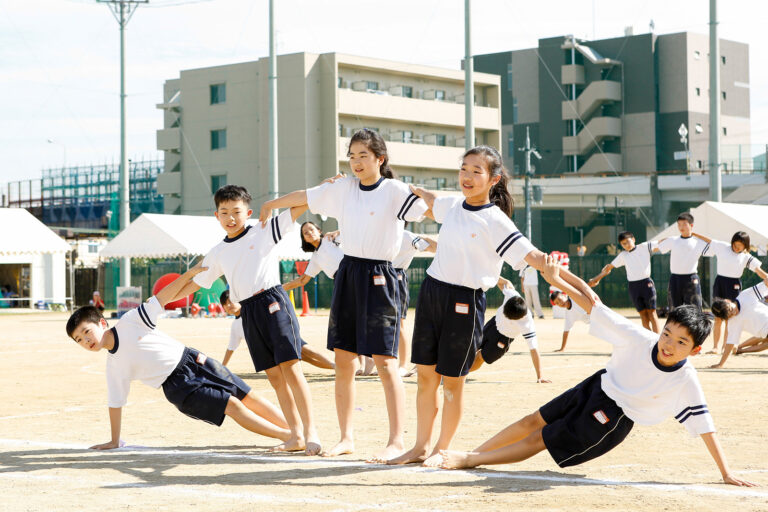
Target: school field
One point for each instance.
(53, 407)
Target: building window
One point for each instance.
(440, 139)
(407, 179)
(722, 58)
(699, 164)
(696, 54)
(219, 139)
(218, 181)
(440, 182)
(341, 130)
(218, 93)
(93, 248)
(514, 110)
(724, 95)
(373, 129)
(725, 130)
(407, 91)
(510, 145)
(407, 136)
(698, 91)
(372, 86)
(439, 95)
(341, 83)
(509, 76)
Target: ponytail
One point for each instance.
(499, 194)
(376, 145)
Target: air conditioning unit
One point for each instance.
(460, 142)
(397, 90)
(429, 94)
(397, 136)
(459, 98)
(360, 85)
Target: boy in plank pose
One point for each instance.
(749, 312)
(637, 260)
(197, 385)
(247, 258)
(647, 379)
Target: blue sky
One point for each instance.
(59, 59)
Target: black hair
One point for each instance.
(232, 193)
(375, 144)
(515, 308)
(720, 308)
(553, 296)
(741, 236)
(499, 194)
(224, 297)
(306, 246)
(82, 315)
(686, 216)
(694, 320)
(624, 235)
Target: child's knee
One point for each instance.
(234, 405)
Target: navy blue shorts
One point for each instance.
(200, 387)
(727, 287)
(448, 328)
(643, 294)
(583, 423)
(405, 295)
(494, 344)
(684, 289)
(365, 308)
(271, 328)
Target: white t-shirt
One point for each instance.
(685, 253)
(248, 260)
(141, 352)
(236, 334)
(753, 314)
(511, 328)
(637, 261)
(371, 218)
(474, 243)
(647, 391)
(530, 276)
(574, 314)
(410, 245)
(729, 263)
(326, 258)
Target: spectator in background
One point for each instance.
(530, 278)
(97, 301)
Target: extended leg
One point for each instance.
(315, 358)
(249, 420)
(516, 452)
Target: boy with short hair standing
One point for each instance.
(686, 249)
(197, 385)
(647, 379)
(246, 257)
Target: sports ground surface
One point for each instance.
(53, 407)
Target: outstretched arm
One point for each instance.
(115, 420)
(170, 292)
(702, 237)
(297, 198)
(762, 273)
(716, 451)
(606, 270)
(538, 259)
(427, 195)
(503, 283)
(552, 274)
(295, 283)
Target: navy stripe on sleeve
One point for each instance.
(705, 249)
(145, 317)
(277, 228)
(529, 335)
(691, 411)
(274, 235)
(415, 242)
(508, 242)
(409, 201)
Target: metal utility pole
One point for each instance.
(715, 180)
(528, 173)
(273, 179)
(469, 86)
(123, 11)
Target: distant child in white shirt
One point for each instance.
(647, 380)
(573, 313)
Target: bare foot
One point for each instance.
(543, 381)
(713, 351)
(405, 372)
(716, 366)
(383, 456)
(412, 456)
(313, 448)
(342, 447)
(434, 461)
(559, 350)
(293, 444)
(454, 460)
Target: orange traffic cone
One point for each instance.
(304, 302)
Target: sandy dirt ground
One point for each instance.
(53, 407)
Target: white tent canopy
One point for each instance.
(159, 236)
(22, 233)
(720, 221)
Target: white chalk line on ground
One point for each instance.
(330, 463)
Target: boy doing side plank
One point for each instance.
(748, 312)
(647, 379)
(573, 314)
(236, 335)
(511, 319)
(197, 385)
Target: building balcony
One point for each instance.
(169, 183)
(425, 156)
(600, 163)
(169, 139)
(595, 131)
(572, 74)
(595, 95)
(414, 110)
